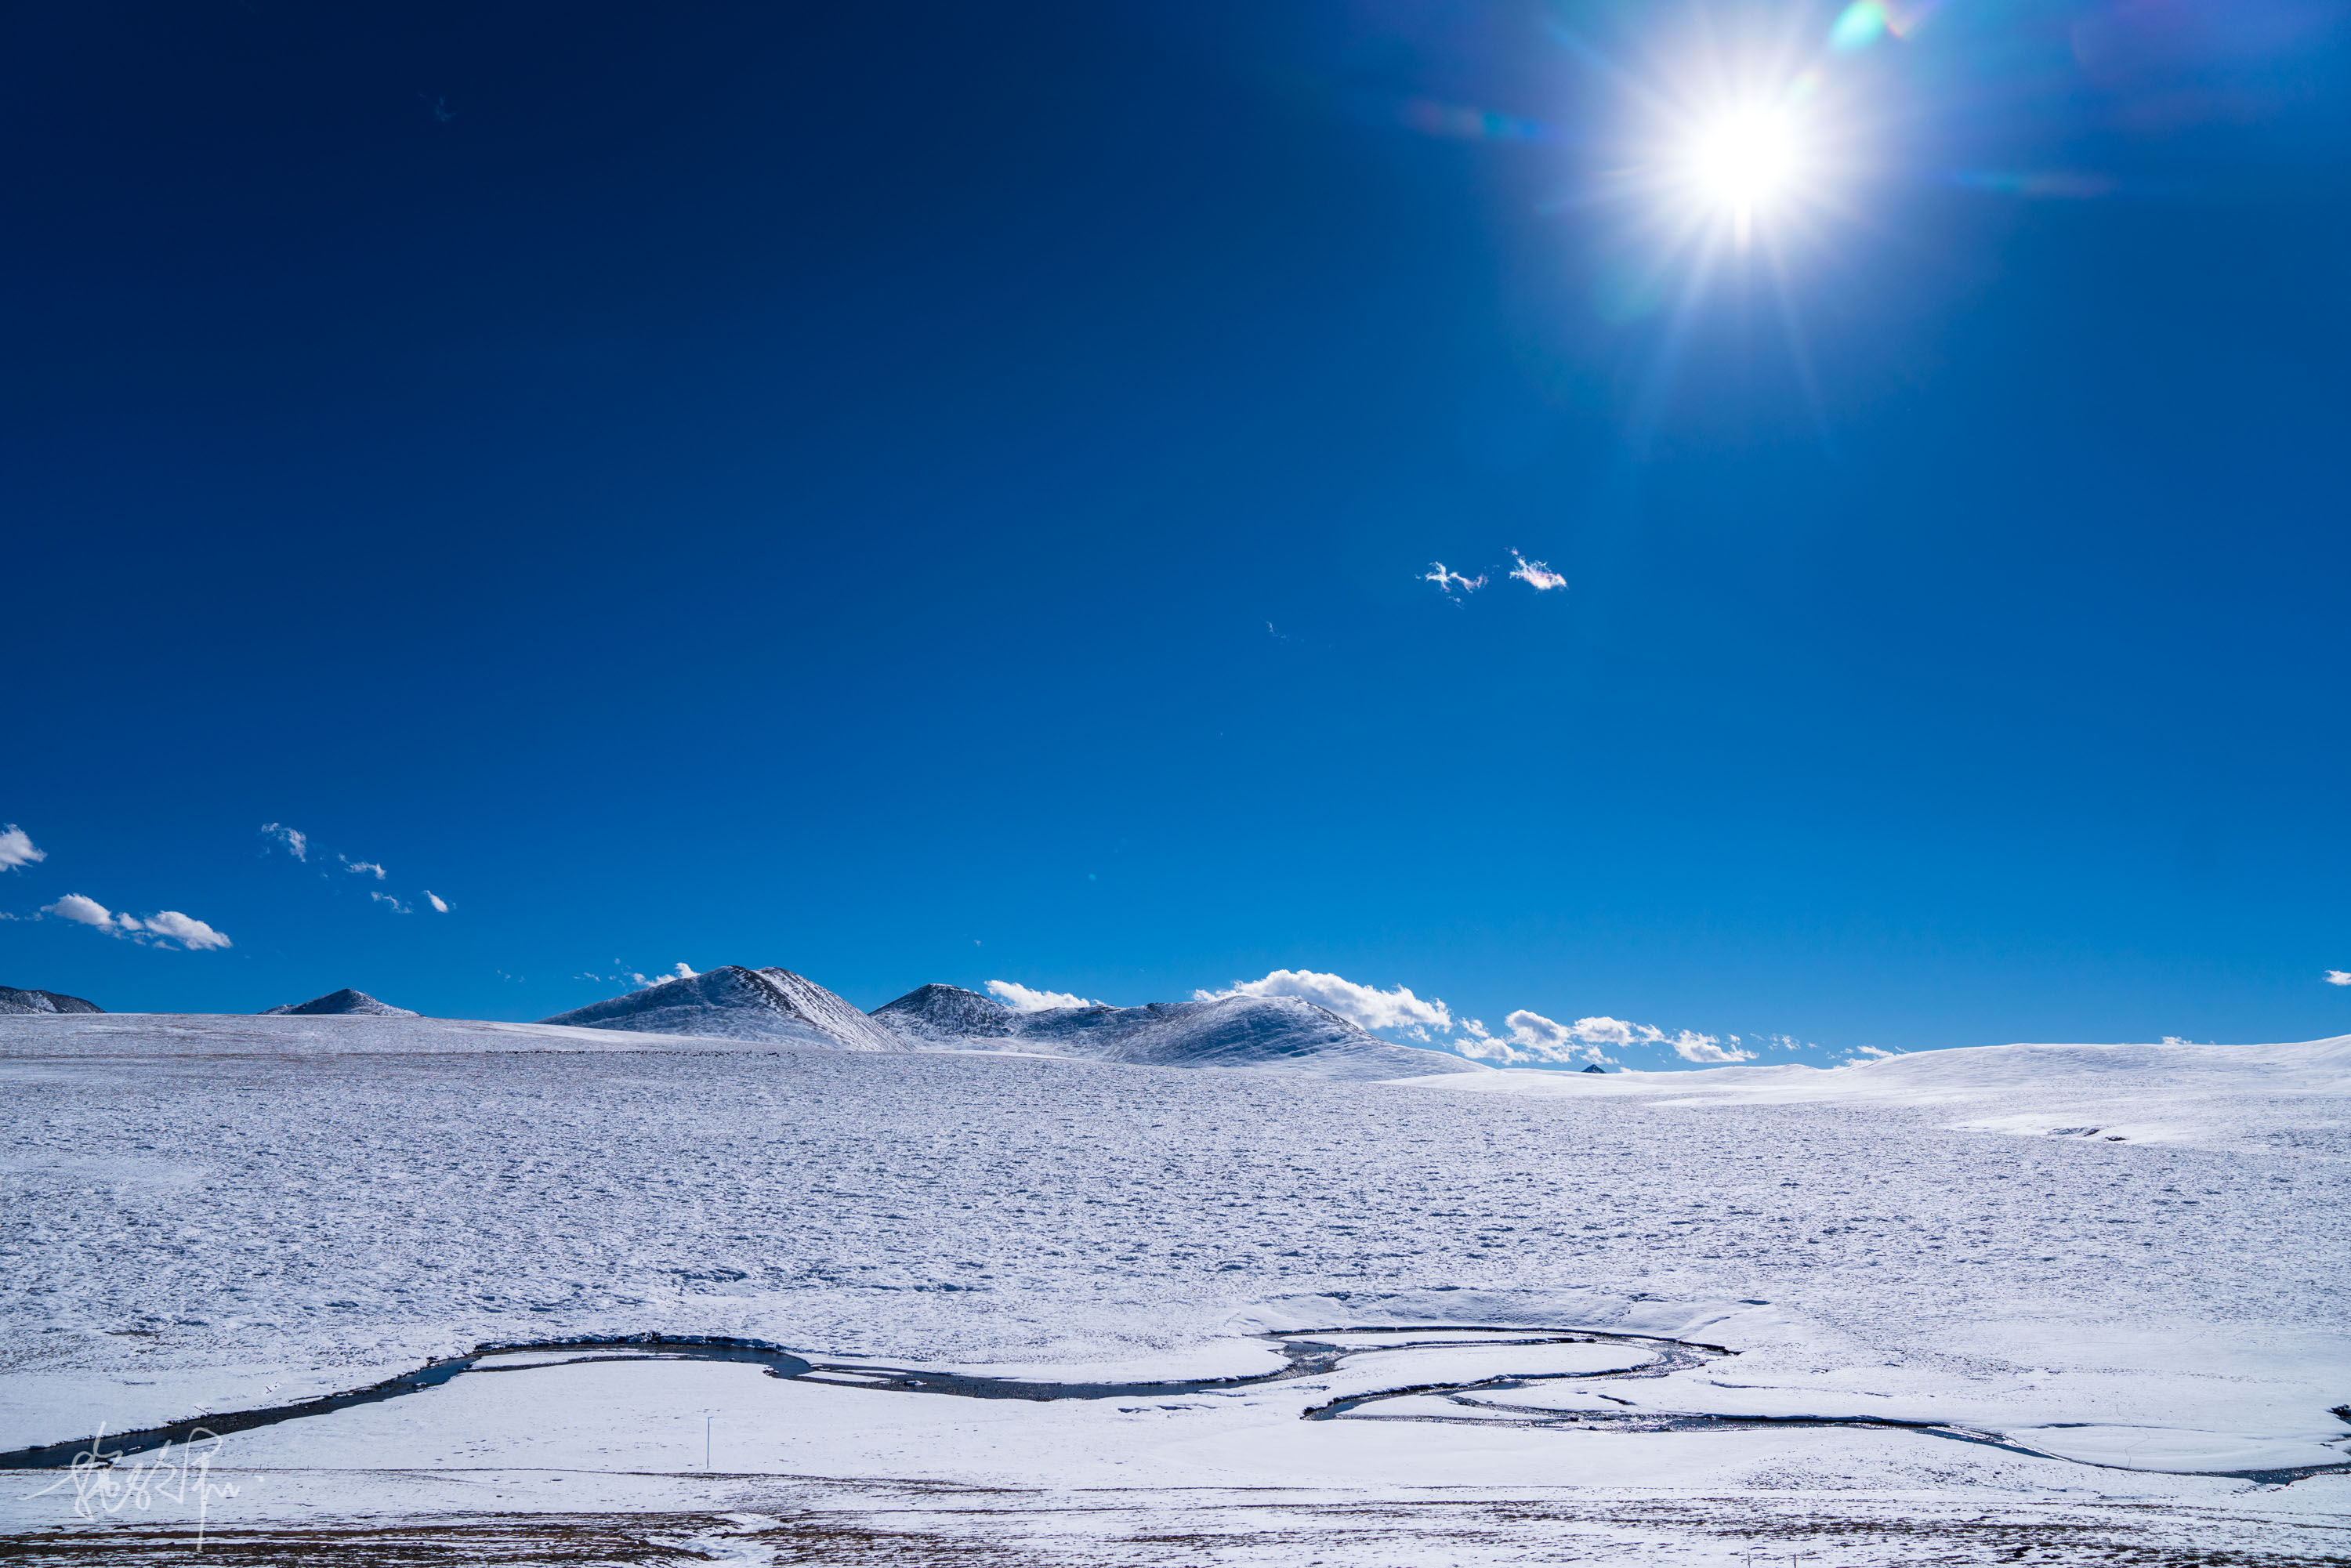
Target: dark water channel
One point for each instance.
(1306, 1354)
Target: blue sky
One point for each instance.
(937, 494)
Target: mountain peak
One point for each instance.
(732, 1002)
(343, 1002)
(947, 1014)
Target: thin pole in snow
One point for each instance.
(705, 1442)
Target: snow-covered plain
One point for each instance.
(2123, 1265)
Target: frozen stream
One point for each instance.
(1498, 1375)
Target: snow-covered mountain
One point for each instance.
(948, 1018)
(343, 1002)
(13, 1000)
(736, 1003)
(1280, 1033)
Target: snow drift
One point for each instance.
(346, 1001)
(1280, 1033)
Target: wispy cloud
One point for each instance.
(162, 929)
(629, 977)
(1536, 574)
(397, 907)
(18, 848)
(440, 905)
(362, 868)
(1449, 580)
(2338, 976)
(296, 842)
(1870, 1054)
(1020, 999)
(1368, 1005)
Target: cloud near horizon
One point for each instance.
(1534, 1038)
(18, 848)
(1020, 999)
(160, 929)
(1531, 1037)
(1363, 1005)
(1527, 1037)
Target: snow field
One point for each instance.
(223, 1214)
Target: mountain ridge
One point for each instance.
(1262, 1033)
(1257, 1033)
(13, 1000)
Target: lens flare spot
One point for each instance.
(1858, 26)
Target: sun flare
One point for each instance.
(1744, 162)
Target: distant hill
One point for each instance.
(13, 1000)
(343, 1002)
(1275, 1033)
(736, 1003)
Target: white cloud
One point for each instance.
(1529, 1038)
(1021, 999)
(1447, 579)
(1870, 1054)
(676, 972)
(1535, 1030)
(86, 910)
(1536, 574)
(397, 907)
(2338, 976)
(1365, 1005)
(434, 899)
(297, 843)
(362, 867)
(193, 934)
(163, 927)
(16, 848)
(1692, 1047)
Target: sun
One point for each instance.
(1742, 162)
